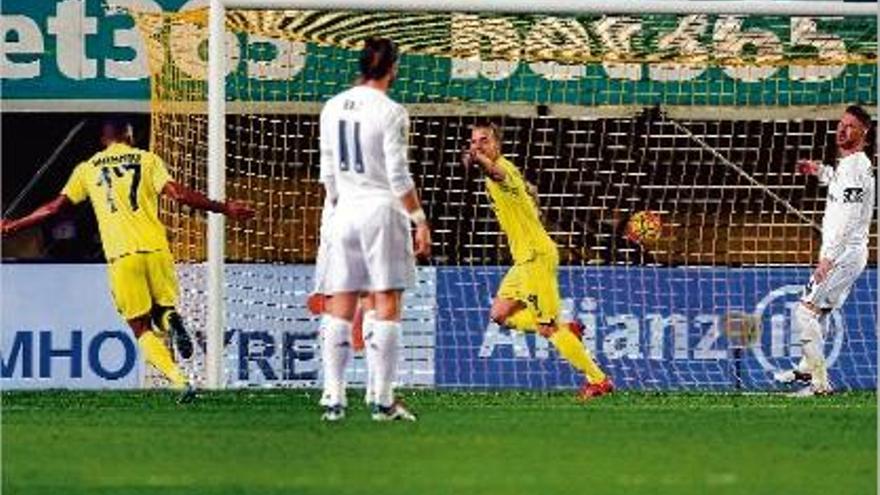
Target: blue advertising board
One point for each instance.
(654, 328)
(60, 330)
(649, 328)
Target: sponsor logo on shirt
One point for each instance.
(853, 195)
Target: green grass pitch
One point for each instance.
(271, 442)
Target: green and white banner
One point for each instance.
(74, 50)
(89, 55)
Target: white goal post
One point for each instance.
(216, 303)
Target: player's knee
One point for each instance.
(809, 307)
(502, 309)
(807, 321)
(386, 315)
(140, 325)
(367, 301)
(389, 311)
(547, 330)
(498, 314)
(387, 305)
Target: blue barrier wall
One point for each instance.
(60, 330)
(652, 328)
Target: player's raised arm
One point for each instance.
(232, 208)
(326, 176)
(74, 192)
(485, 164)
(533, 193)
(812, 167)
(36, 217)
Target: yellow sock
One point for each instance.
(576, 354)
(522, 320)
(159, 356)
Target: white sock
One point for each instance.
(370, 356)
(386, 340)
(335, 354)
(812, 345)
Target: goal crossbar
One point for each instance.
(731, 7)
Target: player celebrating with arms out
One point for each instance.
(123, 184)
(365, 172)
(844, 252)
(528, 299)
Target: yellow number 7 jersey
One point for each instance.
(123, 184)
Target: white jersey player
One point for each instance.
(319, 299)
(848, 211)
(365, 172)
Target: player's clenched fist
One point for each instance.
(239, 210)
(423, 241)
(808, 167)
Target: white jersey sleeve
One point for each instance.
(395, 148)
(327, 176)
(849, 207)
(826, 173)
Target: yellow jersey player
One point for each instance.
(123, 184)
(528, 299)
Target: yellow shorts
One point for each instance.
(535, 283)
(140, 281)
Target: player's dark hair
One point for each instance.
(492, 126)
(377, 58)
(860, 114)
(117, 129)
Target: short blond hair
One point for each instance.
(492, 126)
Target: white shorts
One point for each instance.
(323, 248)
(371, 249)
(833, 291)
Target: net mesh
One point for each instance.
(698, 119)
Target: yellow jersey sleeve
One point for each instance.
(159, 175)
(76, 188)
(512, 178)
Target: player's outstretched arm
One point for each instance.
(812, 167)
(472, 157)
(36, 217)
(232, 208)
(808, 167)
(533, 192)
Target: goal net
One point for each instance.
(696, 118)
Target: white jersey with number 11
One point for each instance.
(364, 146)
(365, 173)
